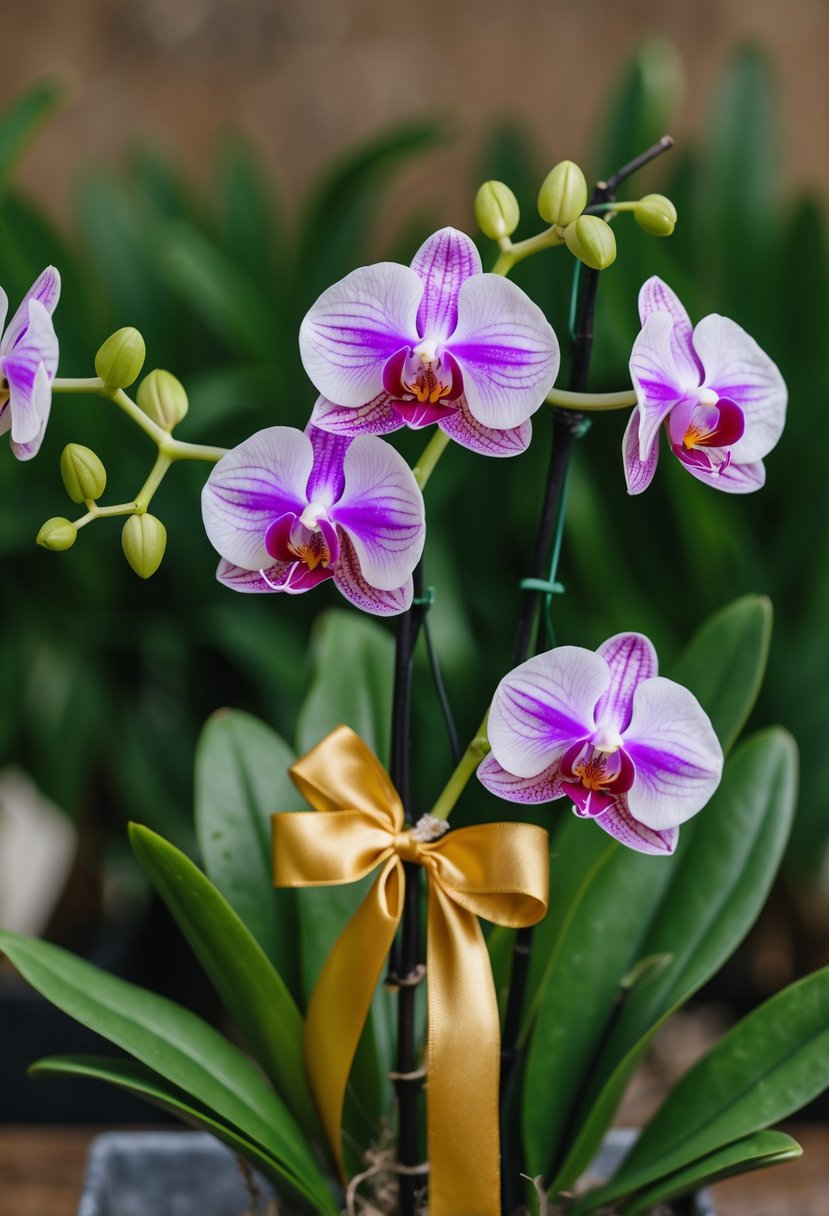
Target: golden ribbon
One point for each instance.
(496, 870)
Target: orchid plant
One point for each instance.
(533, 1029)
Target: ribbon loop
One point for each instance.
(499, 871)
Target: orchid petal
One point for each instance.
(29, 369)
(659, 383)
(543, 706)
(734, 478)
(443, 262)
(638, 472)
(349, 581)
(41, 405)
(677, 755)
(376, 417)
(620, 824)
(546, 787)
(382, 510)
(326, 482)
(736, 368)
(656, 296)
(631, 658)
(239, 579)
(250, 487)
(45, 291)
(465, 429)
(506, 350)
(355, 326)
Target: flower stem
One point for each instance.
(591, 401)
(429, 457)
(469, 761)
(510, 254)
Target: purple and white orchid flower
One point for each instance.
(391, 346)
(721, 398)
(28, 362)
(288, 510)
(631, 750)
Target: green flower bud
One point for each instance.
(57, 534)
(121, 358)
(563, 194)
(83, 474)
(591, 240)
(162, 397)
(656, 214)
(144, 539)
(496, 210)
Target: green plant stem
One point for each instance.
(429, 457)
(510, 254)
(591, 401)
(469, 761)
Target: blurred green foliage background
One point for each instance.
(107, 681)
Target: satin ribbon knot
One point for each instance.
(499, 871)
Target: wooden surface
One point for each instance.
(41, 1170)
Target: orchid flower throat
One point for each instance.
(424, 373)
(711, 421)
(309, 538)
(596, 770)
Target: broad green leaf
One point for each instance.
(135, 1078)
(175, 1043)
(756, 1152)
(724, 662)
(241, 780)
(724, 871)
(217, 290)
(767, 1067)
(250, 988)
(22, 117)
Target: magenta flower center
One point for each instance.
(596, 771)
(309, 538)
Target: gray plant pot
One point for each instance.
(191, 1174)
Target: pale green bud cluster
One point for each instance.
(496, 210)
(144, 539)
(120, 359)
(656, 214)
(563, 194)
(84, 476)
(57, 534)
(592, 241)
(163, 398)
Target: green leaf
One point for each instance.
(241, 780)
(755, 1152)
(353, 660)
(767, 1067)
(250, 988)
(21, 119)
(176, 1044)
(723, 872)
(137, 1079)
(724, 662)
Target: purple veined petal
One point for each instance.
(251, 581)
(660, 385)
(443, 262)
(546, 787)
(349, 581)
(656, 296)
(382, 511)
(250, 487)
(677, 755)
(41, 401)
(620, 824)
(355, 326)
(631, 658)
(326, 482)
(30, 398)
(543, 706)
(376, 417)
(736, 368)
(506, 349)
(731, 478)
(418, 414)
(638, 472)
(466, 430)
(45, 291)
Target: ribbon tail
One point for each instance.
(342, 997)
(463, 1062)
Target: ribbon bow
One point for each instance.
(496, 870)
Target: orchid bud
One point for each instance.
(656, 214)
(144, 539)
(120, 359)
(163, 398)
(563, 194)
(496, 210)
(591, 240)
(84, 476)
(57, 534)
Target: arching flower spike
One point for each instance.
(721, 398)
(288, 510)
(438, 342)
(28, 363)
(631, 750)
